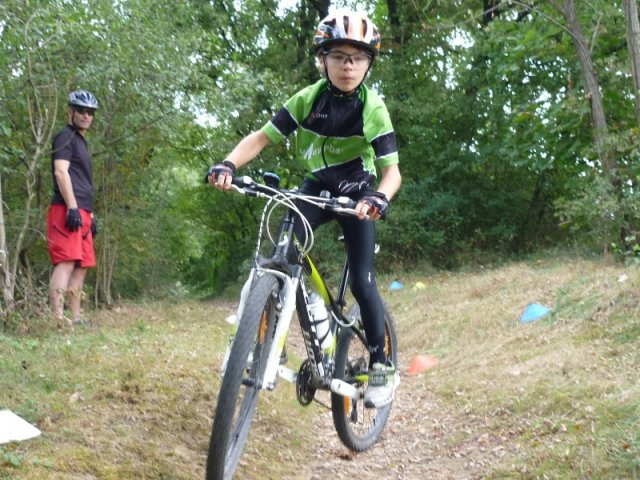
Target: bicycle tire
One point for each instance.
(358, 427)
(238, 397)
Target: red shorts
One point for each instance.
(65, 245)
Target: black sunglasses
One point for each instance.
(89, 111)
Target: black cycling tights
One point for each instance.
(359, 238)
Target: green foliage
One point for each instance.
(495, 131)
(598, 213)
(629, 251)
(133, 133)
(492, 122)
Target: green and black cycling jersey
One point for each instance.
(340, 139)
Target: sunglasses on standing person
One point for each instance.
(82, 110)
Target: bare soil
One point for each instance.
(423, 439)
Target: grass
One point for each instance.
(133, 397)
(564, 391)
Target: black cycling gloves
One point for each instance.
(379, 204)
(74, 220)
(226, 167)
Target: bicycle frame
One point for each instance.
(291, 277)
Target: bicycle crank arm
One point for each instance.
(337, 386)
(345, 389)
(287, 374)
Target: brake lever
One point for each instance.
(349, 211)
(346, 202)
(243, 181)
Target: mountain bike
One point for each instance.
(284, 281)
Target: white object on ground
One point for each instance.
(15, 429)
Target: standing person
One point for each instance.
(343, 132)
(70, 223)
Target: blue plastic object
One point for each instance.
(396, 285)
(533, 312)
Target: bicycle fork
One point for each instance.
(285, 308)
(234, 319)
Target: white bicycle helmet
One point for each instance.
(82, 98)
(347, 27)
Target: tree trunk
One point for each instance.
(599, 125)
(535, 213)
(323, 7)
(7, 291)
(591, 87)
(633, 40)
(105, 247)
(307, 19)
(490, 11)
(394, 22)
(30, 179)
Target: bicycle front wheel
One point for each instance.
(241, 384)
(359, 427)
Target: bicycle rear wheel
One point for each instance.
(359, 427)
(241, 384)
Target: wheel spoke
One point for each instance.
(359, 427)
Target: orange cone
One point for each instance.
(420, 363)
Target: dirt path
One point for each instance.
(416, 444)
(409, 449)
(421, 441)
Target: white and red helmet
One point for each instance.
(347, 27)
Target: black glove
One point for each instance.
(74, 220)
(94, 227)
(224, 168)
(378, 203)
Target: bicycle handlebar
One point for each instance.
(342, 205)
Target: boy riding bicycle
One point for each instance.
(343, 131)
